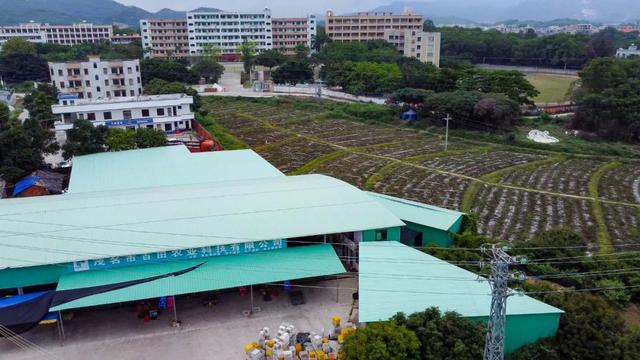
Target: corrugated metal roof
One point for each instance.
(81, 226)
(396, 278)
(216, 273)
(419, 213)
(164, 166)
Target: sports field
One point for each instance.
(552, 87)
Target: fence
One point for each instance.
(326, 93)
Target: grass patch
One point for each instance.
(224, 138)
(604, 239)
(317, 162)
(553, 88)
(379, 175)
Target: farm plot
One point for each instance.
(352, 168)
(327, 127)
(234, 123)
(569, 176)
(364, 137)
(410, 148)
(476, 164)
(621, 184)
(291, 155)
(430, 187)
(260, 135)
(511, 214)
(623, 224)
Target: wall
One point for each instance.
(527, 329)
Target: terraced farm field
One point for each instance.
(517, 193)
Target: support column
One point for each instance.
(251, 290)
(175, 309)
(61, 328)
(337, 289)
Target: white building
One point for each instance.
(227, 30)
(424, 46)
(168, 112)
(631, 51)
(57, 34)
(96, 78)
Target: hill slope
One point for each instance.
(69, 11)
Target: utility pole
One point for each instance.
(446, 132)
(499, 279)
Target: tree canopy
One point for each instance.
(209, 69)
(445, 337)
(84, 139)
(293, 71)
(381, 341)
(22, 146)
(609, 99)
(168, 70)
(270, 58)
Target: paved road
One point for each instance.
(207, 333)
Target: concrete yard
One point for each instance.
(206, 333)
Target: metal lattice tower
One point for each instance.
(499, 279)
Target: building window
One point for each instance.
(98, 89)
(87, 83)
(131, 82)
(104, 71)
(95, 65)
(126, 114)
(167, 127)
(106, 82)
(107, 115)
(89, 95)
(59, 72)
(81, 116)
(91, 116)
(97, 78)
(160, 112)
(86, 71)
(108, 93)
(62, 84)
(129, 70)
(145, 112)
(132, 93)
(138, 79)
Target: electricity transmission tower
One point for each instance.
(499, 279)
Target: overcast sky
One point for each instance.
(281, 7)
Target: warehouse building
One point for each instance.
(148, 223)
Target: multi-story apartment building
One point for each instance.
(165, 38)
(168, 112)
(97, 79)
(369, 26)
(290, 32)
(424, 46)
(58, 34)
(227, 30)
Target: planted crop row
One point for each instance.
(291, 155)
(352, 168)
(621, 184)
(569, 176)
(430, 187)
(477, 164)
(511, 214)
(623, 224)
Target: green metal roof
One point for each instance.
(217, 273)
(81, 226)
(396, 278)
(164, 166)
(419, 213)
